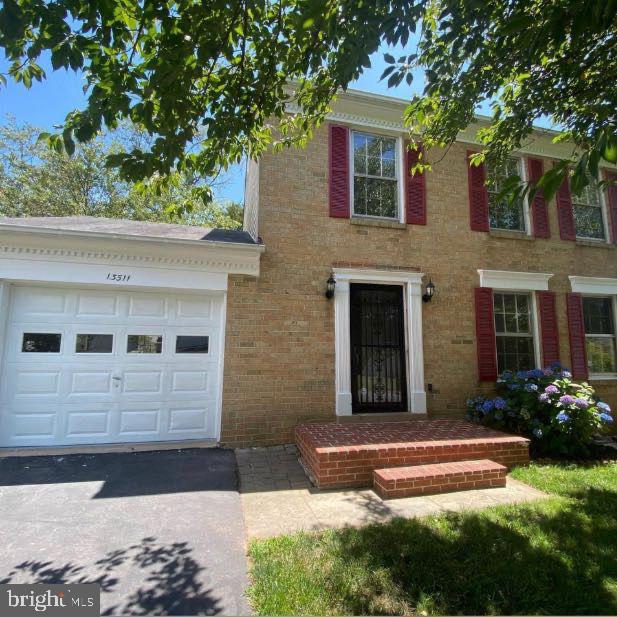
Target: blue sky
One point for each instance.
(47, 103)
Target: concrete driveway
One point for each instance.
(162, 532)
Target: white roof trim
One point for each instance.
(523, 281)
(593, 285)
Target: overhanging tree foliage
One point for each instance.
(205, 78)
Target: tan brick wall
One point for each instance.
(279, 357)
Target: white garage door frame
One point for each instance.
(100, 261)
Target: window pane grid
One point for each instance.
(513, 331)
(600, 340)
(587, 209)
(375, 182)
(502, 213)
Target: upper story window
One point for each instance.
(599, 319)
(375, 185)
(514, 331)
(588, 215)
(504, 214)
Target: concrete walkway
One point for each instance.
(277, 497)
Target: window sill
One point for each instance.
(510, 234)
(601, 377)
(597, 243)
(360, 220)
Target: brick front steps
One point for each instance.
(396, 482)
(345, 455)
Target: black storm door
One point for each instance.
(378, 376)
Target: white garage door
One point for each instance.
(84, 367)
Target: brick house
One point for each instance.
(121, 331)
(515, 287)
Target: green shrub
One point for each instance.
(557, 414)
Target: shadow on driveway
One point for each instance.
(161, 532)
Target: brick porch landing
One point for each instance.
(345, 455)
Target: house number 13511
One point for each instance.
(119, 278)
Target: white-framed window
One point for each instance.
(515, 331)
(503, 214)
(375, 175)
(588, 210)
(600, 334)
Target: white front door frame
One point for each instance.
(411, 283)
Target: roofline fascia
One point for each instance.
(204, 244)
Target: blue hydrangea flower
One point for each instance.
(536, 373)
(537, 432)
(547, 372)
(566, 374)
(566, 399)
(531, 387)
(500, 403)
(605, 417)
(521, 374)
(544, 397)
(604, 407)
(581, 403)
(551, 389)
(487, 406)
(513, 386)
(562, 417)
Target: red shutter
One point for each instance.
(565, 215)
(338, 164)
(415, 190)
(611, 193)
(478, 196)
(539, 209)
(485, 334)
(576, 326)
(548, 327)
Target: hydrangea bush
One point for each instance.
(558, 414)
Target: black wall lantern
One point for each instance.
(330, 286)
(430, 291)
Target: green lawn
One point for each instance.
(557, 556)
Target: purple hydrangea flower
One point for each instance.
(581, 403)
(551, 389)
(547, 372)
(566, 374)
(566, 399)
(499, 403)
(605, 417)
(562, 417)
(544, 397)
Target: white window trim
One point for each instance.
(613, 297)
(605, 222)
(411, 283)
(514, 281)
(591, 285)
(398, 172)
(522, 169)
(503, 281)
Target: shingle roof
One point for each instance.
(128, 227)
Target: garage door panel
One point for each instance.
(97, 305)
(97, 392)
(88, 423)
(140, 421)
(142, 382)
(45, 303)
